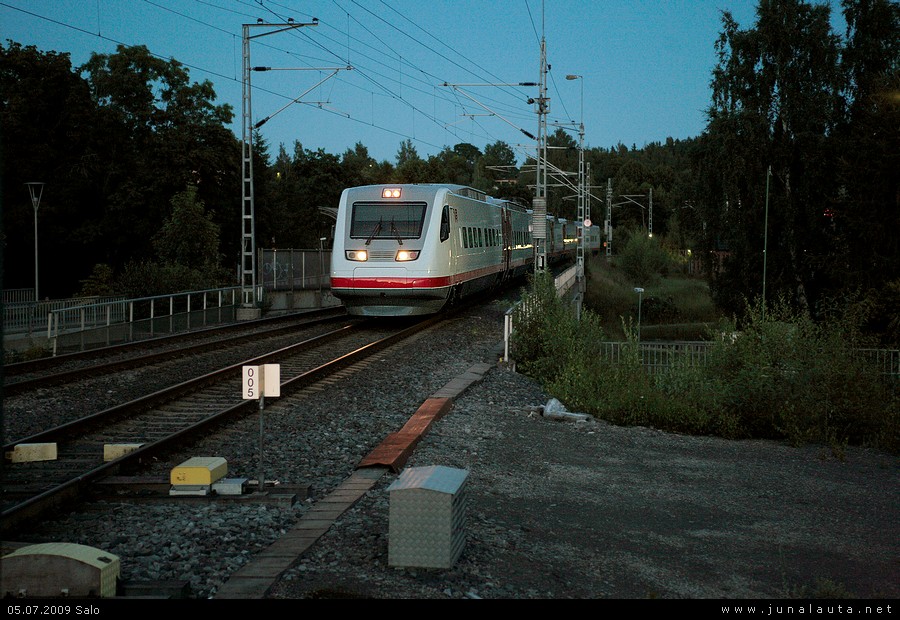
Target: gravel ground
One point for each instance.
(556, 509)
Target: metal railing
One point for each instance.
(125, 320)
(658, 357)
(18, 295)
(30, 317)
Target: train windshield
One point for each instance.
(387, 220)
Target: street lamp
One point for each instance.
(640, 293)
(35, 189)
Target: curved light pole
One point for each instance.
(35, 190)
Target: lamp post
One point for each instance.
(35, 189)
(640, 293)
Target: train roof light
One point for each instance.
(390, 192)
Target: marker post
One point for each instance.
(259, 382)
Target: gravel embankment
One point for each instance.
(556, 509)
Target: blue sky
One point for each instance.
(373, 71)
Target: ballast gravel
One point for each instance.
(557, 508)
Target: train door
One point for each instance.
(507, 240)
(449, 221)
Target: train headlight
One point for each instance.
(357, 255)
(390, 192)
(405, 255)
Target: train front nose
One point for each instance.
(380, 278)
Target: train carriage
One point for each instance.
(411, 249)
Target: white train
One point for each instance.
(403, 250)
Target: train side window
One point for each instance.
(445, 223)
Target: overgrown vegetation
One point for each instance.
(772, 373)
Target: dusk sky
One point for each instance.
(374, 71)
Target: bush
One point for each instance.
(781, 376)
(643, 259)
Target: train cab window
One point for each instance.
(395, 220)
(445, 223)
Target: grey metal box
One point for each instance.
(427, 517)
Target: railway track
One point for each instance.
(21, 377)
(162, 421)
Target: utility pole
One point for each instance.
(248, 224)
(587, 187)
(583, 220)
(607, 225)
(539, 212)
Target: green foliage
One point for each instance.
(787, 377)
(643, 259)
(150, 278)
(674, 308)
(188, 236)
(780, 376)
(800, 149)
(99, 283)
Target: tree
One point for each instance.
(498, 165)
(864, 212)
(47, 121)
(358, 166)
(775, 104)
(407, 153)
(449, 166)
(188, 236)
(157, 133)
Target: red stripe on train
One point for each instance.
(390, 282)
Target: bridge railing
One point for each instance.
(127, 320)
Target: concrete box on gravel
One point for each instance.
(427, 517)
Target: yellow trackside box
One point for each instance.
(199, 470)
(28, 452)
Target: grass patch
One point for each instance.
(677, 307)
